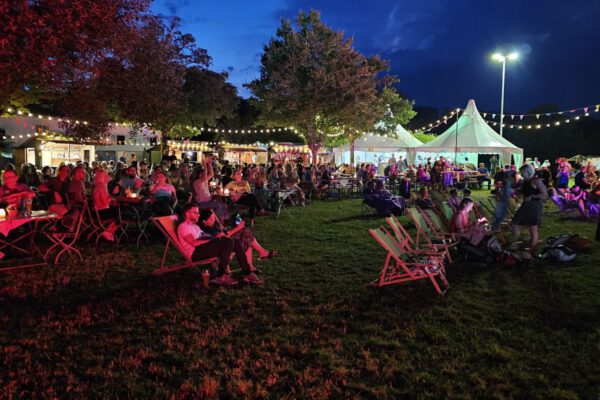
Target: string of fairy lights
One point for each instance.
(539, 124)
(47, 133)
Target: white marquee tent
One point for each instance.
(467, 138)
(378, 149)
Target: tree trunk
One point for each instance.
(314, 149)
(352, 140)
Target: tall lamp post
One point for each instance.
(502, 58)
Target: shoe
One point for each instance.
(108, 236)
(255, 270)
(224, 280)
(272, 253)
(252, 279)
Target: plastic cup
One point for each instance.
(205, 277)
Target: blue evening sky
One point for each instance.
(440, 49)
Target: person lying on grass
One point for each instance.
(198, 245)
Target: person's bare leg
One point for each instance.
(248, 253)
(262, 252)
(533, 230)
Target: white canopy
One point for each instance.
(374, 148)
(467, 138)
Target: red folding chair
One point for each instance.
(397, 270)
(167, 225)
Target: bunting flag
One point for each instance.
(521, 116)
(512, 117)
(537, 116)
(540, 126)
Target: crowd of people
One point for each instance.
(203, 195)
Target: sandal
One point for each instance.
(272, 253)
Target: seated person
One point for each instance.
(383, 201)
(581, 179)
(424, 201)
(164, 196)
(422, 175)
(131, 182)
(13, 193)
(200, 187)
(239, 191)
(484, 176)
(244, 242)
(472, 232)
(454, 200)
(76, 189)
(577, 198)
(56, 191)
(102, 203)
(200, 246)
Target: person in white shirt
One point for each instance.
(198, 246)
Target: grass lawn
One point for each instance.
(107, 328)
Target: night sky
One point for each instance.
(440, 49)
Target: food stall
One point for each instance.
(190, 149)
(285, 152)
(244, 153)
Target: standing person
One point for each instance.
(133, 161)
(493, 163)
(530, 212)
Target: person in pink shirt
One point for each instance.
(102, 203)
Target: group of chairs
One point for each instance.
(426, 254)
(89, 225)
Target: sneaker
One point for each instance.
(108, 236)
(252, 279)
(224, 280)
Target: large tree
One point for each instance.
(312, 78)
(47, 45)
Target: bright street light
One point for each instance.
(502, 58)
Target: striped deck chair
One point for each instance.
(167, 225)
(411, 249)
(437, 225)
(430, 238)
(396, 270)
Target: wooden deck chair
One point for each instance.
(396, 270)
(446, 210)
(66, 241)
(412, 251)
(437, 225)
(424, 234)
(168, 227)
(427, 247)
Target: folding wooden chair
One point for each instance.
(436, 225)
(66, 240)
(396, 270)
(424, 230)
(425, 234)
(168, 227)
(413, 248)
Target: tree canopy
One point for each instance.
(108, 60)
(313, 79)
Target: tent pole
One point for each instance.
(456, 141)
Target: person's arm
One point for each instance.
(208, 172)
(539, 185)
(189, 238)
